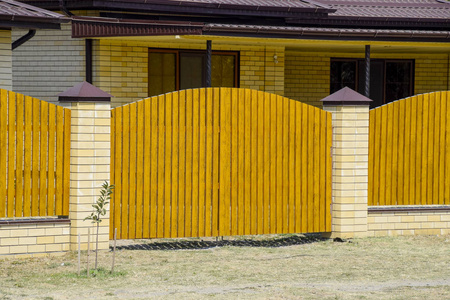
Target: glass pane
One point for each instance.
(342, 74)
(223, 70)
(398, 80)
(376, 81)
(191, 70)
(161, 73)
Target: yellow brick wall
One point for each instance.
(121, 67)
(307, 75)
(27, 240)
(5, 60)
(408, 223)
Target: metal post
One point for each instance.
(208, 63)
(88, 54)
(367, 69)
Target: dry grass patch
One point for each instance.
(372, 268)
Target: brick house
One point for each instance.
(303, 50)
(16, 15)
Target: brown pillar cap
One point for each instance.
(346, 97)
(84, 91)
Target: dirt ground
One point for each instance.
(371, 268)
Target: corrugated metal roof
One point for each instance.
(18, 9)
(411, 9)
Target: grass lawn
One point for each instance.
(372, 268)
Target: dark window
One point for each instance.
(172, 70)
(389, 79)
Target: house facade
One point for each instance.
(27, 19)
(303, 50)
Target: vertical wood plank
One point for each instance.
(322, 174)
(208, 163)
(383, 155)
(412, 152)
(140, 168)
(168, 166)
(27, 159)
(447, 153)
(118, 131)
(298, 167)
(202, 164)
(20, 157)
(35, 159)
(215, 161)
(225, 161)
(59, 154)
(389, 147)
(407, 152)
(260, 164)
(241, 161)
(266, 164)
(3, 149)
(433, 146)
(11, 193)
(175, 166)
(234, 162)
(279, 179)
(247, 161)
(254, 163)
(304, 179)
(285, 163)
(419, 139)
(51, 157)
(161, 164)
(189, 128)
(401, 152)
(273, 164)
(195, 162)
(132, 172)
(154, 123)
(125, 170)
(181, 162)
(370, 188)
(146, 120)
(43, 159)
(395, 134)
(442, 157)
(424, 149)
(291, 166)
(112, 215)
(66, 159)
(328, 172)
(316, 167)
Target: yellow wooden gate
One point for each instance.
(220, 162)
(409, 151)
(34, 157)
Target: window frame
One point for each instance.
(177, 53)
(384, 61)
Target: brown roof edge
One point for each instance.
(93, 27)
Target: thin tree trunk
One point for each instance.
(96, 247)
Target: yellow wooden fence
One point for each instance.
(219, 162)
(409, 151)
(34, 157)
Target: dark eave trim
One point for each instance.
(82, 28)
(330, 33)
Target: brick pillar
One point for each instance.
(350, 119)
(89, 160)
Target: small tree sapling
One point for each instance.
(100, 210)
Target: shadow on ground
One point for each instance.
(186, 244)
